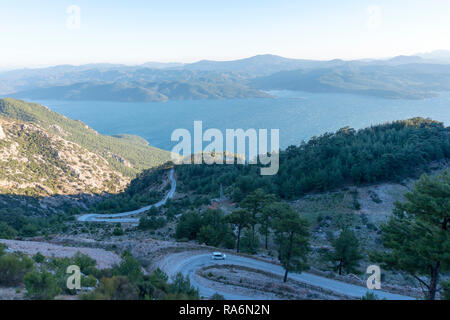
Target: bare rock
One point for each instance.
(2, 133)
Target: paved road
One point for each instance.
(120, 217)
(188, 266)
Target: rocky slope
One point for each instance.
(34, 161)
(47, 160)
(124, 153)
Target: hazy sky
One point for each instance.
(46, 32)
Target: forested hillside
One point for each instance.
(387, 152)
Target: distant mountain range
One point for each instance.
(413, 77)
(438, 56)
(410, 81)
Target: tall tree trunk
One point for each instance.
(285, 274)
(288, 259)
(266, 233)
(267, 236)
(279, 252)
(253, 234)
(434, 277)
(340, 267)
(238, 239)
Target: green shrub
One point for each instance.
(217, 296)
(118, 232)
(13, 269)
(89, 281)
(6, 231)
(41, 286)
(86, 263)
(38, 258)
(130, 267)
(370, 296)
(445, 290)
(151, 223)
(181, 289)
(114, 288)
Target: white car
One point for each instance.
(218, 256)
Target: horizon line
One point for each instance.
(136, 64)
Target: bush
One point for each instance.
(446, 290)
(13, 269)
(151, 223)
(89, 281)
(114, 288)
(29, 230)
(7, 232)
(369, 296)
(209, 227)
(86, 263)
(118, 232)
(130, 267)
(217, 296)
(41, 286)
(38, 258)
(181, 289)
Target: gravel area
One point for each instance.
(105, 259)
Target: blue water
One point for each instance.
(298, 115)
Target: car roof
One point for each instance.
(217, 253)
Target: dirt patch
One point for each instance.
(12, 293)
(105, 259)
(378, 201)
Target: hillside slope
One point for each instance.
(36, 162)
(143, 91)
(122, 153)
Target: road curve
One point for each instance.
(120, 217)
(188, 266)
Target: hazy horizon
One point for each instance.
(200, 59)
(82, 32)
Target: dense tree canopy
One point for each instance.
(387, 152)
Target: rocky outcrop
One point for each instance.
(35, 161)
(2, 133)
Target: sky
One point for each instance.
(50, 32)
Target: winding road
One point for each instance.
(121, 217)
(188, 266)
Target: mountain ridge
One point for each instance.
(209, 79)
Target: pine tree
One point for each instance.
(346, 254)
(417, 235)
(291, 234)
(240, 219)
(255, 202)
(268, 214)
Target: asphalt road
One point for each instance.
(188, 266)
(121, 217)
